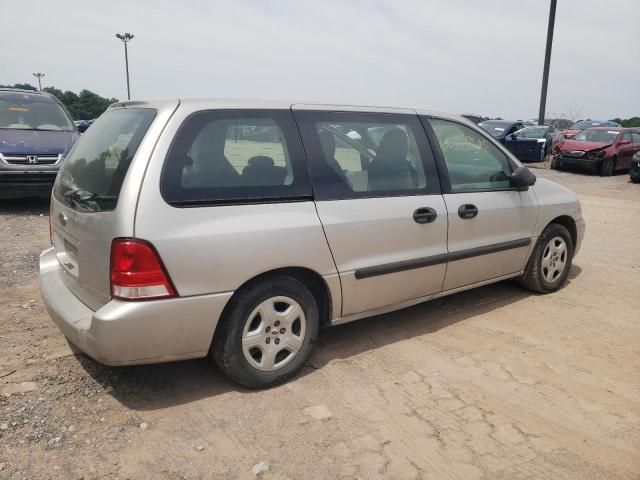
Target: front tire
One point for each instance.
(608, 167)
(556, 163)
(267, 332)
(550, 261)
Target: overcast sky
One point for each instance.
(457, 55)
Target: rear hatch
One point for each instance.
(95, 194)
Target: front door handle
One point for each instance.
(424, 215)
(467, 211)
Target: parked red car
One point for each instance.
(603, 150)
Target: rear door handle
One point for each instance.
(467, 211)
(425, 215)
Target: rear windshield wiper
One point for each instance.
(82, 196)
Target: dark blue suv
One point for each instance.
(36, 133)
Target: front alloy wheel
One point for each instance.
(550, 261)
(554, 259)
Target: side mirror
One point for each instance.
(522, 178)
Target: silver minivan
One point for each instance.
(239, 229)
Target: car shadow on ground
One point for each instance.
(24, 206)
(152, 387)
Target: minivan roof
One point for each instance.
(233, 103)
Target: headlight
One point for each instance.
(595, 155)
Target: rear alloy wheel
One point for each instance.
(267, 333)
(550, 261)
(608, 167)
(273, 334)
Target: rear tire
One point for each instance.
(556, 163)
(608, 167)
(550, 261)
(267, 332)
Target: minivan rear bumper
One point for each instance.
(129, 333)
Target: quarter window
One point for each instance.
(635, 137)
(221, 156)
(473, 162)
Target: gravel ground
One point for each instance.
(491, 383)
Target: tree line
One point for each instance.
(85, 105)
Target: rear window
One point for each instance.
(91, 177)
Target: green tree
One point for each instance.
(631, 122)
(83, 106)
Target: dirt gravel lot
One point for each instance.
(495, 383)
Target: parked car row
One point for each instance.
(599, 146)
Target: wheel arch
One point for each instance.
(570, 224)
(310, 278)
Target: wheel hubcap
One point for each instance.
(554, 259)
(273, 334)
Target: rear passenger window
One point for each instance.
(473, 162)
(359, 155)
(229, 156)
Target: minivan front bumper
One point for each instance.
(129, 333)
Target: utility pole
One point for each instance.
(547, 61)
(39, 76)
(126, 38)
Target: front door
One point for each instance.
(378, 197)
(627, 150)
(490, 224)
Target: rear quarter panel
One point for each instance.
(215, 249)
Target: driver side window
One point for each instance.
(473, 162)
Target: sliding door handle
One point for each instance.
(467, 211)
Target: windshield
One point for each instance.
(532, 132)
(592, 123)
(496, 129)
(91, 176)
(33, 115)
(597, 135)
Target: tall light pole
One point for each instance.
(126, 38)
(547, 61)
(39, 76)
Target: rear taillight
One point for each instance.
(137, 272)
